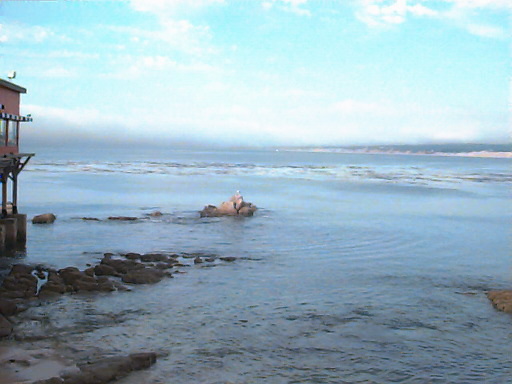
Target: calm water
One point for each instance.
(357, 268)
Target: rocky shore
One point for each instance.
(34, 285)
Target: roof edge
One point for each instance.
(12, 86)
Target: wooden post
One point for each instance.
(5, 175)
(21, 227)
(14, 193)
(10, 229)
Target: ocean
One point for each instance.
(357, 268)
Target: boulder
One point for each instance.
(105, 270)
(8, 307)
(46, 218)
(108, 369)
(21, 269)
(70, 275)
(121, 266)
(247, 210)
(235, 206)
(209, 211)
(52, 380)
(143, 276)
(142, 360)
(132, 256)
(5, 327)
(501, 300)
(154, 257)
(123, 218)
(229, 259)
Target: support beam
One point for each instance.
(5, 176)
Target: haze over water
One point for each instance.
(356, 268)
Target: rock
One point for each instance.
(8, 307)
(21, 269)
(52, 288)
(70, 275)
(227, 208)
(209, 211)
(22, 285)
(143, 276)
(501, 300)
(123, 218)
(90, 219)
(154, 257)
(198, 260)
(236, 206)
(105, 370)
(143, 360)
(121, 266)
(89, 271)
(46, 218)
(52, 380)
(5, 327)
(132, 256)
(105, 270)
(155, 214)
(247, 210)
(109, 369)
(228, 258)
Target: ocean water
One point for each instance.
(355, 269)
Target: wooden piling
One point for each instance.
(21, 227)
(10, 230)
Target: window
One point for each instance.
(3, 132)
(12, 132)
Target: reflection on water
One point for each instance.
(337, 280)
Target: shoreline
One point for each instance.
(474, 154)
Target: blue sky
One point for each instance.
(262, 72)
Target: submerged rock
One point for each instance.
(105, 370)
(46, 218)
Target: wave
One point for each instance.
(411, 175)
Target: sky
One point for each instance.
(261, 72)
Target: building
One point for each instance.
(12, 161)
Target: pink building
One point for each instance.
(10, 118)
(12, 161)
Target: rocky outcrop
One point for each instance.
(501, 300)
(105, 370)
(45, 218)
(235, 206)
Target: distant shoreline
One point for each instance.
(480, 154)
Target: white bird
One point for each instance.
(237, 200)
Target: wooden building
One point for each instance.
(12, 161)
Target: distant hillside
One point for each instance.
(436, 148)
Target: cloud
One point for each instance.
(465, 14)
(171, 7)
(16, 33)
(292, 6)
(181, 35)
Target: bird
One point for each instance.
(237, 200)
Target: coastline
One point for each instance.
(479, 154)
